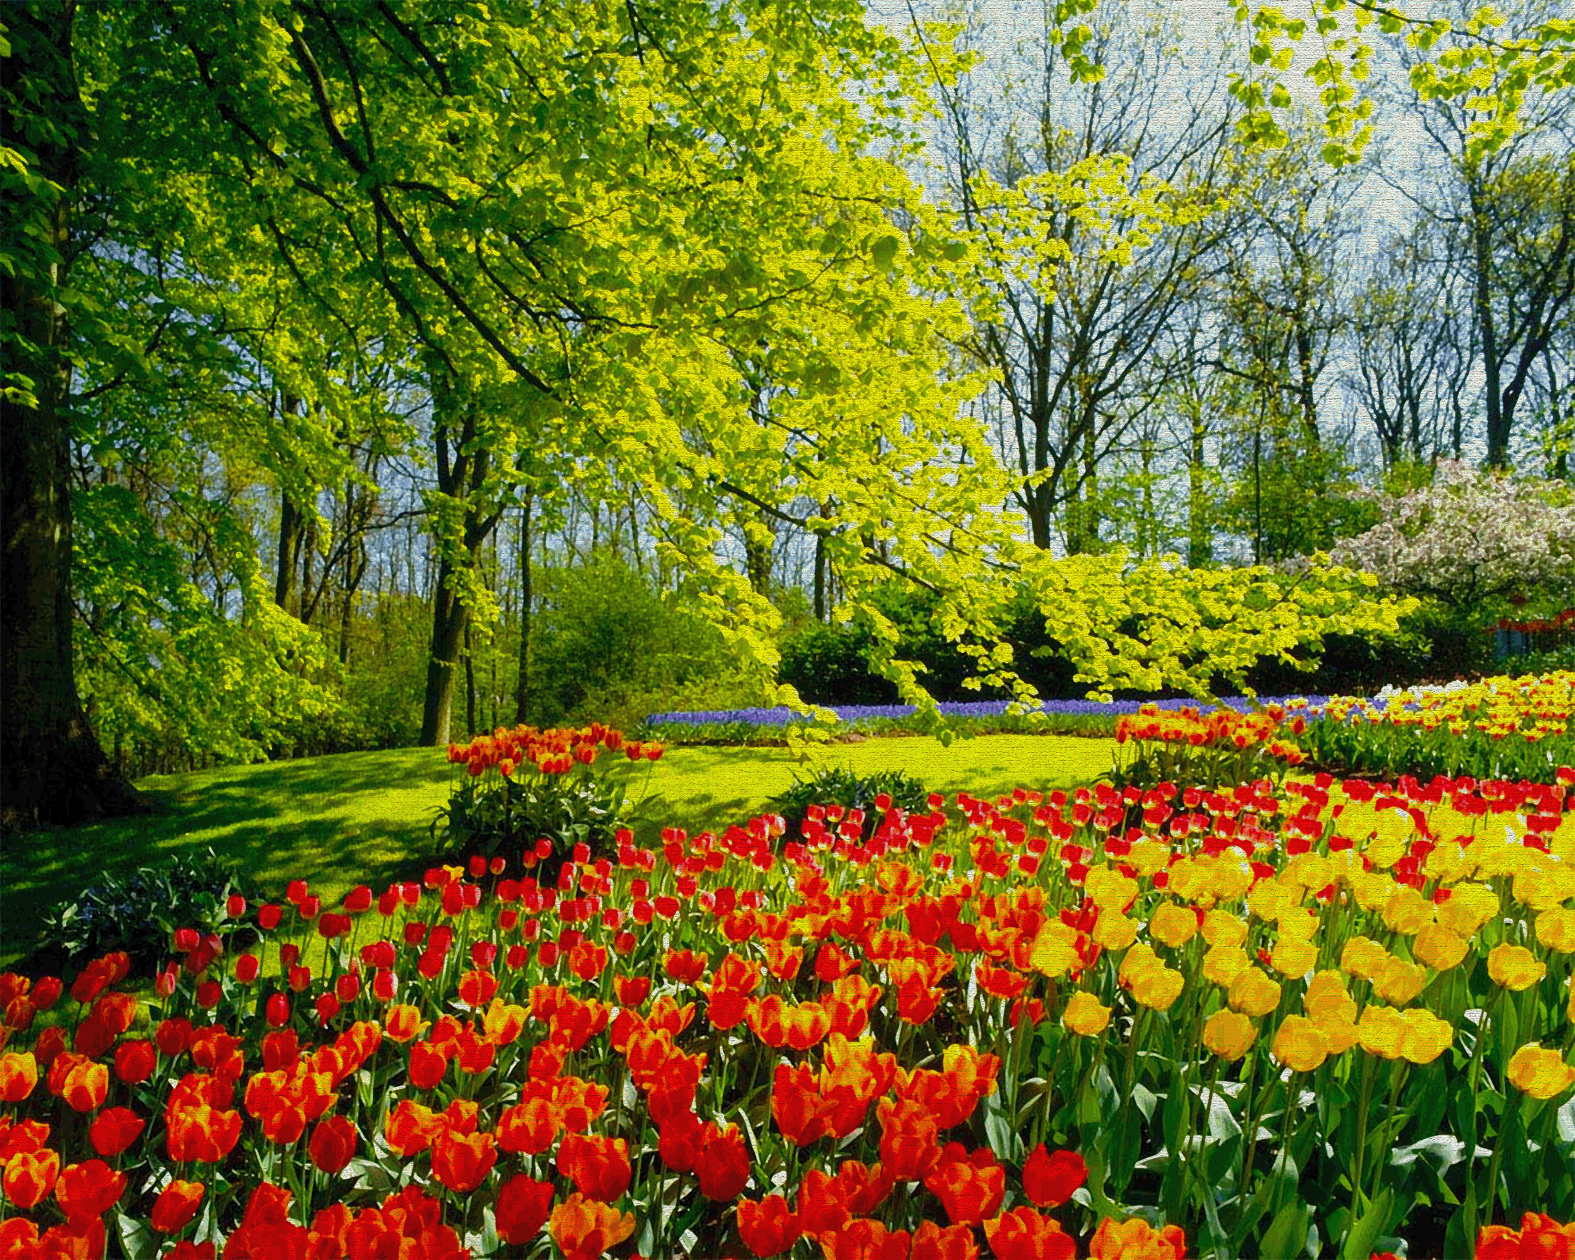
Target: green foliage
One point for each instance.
(1155, 626)
(494, 816)
(168, 670)
(606, 646)
(840, 785)
(1295, 500)
(141, 911)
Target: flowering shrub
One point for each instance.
(1262, 1017)
(534, 792)
(1498, 728)
(1206, 749)
(1471, 536)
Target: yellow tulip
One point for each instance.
(1085, 1015)
(1229, 1035)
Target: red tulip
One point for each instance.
(176, 1205)
(522, 1209)
(599, 1167)
(114, 1130)
(462, 1161)
(722, 1164)
(89, 1189)
(1049, 1180)
(333, 1144)
(135, 1061)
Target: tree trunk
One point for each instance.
(522, 681)
(1482, 303)
(449, 619)
(1199, 546)
(470, 681)
(292, 524)
(52, 769)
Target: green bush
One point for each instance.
(140, 912)
(840, 786)
(497, 817)
(607, 646)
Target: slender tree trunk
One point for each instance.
(52, 769)
(292, 524)
(470, 680)
(1199, 547)
(462, 468)
(522, 680)
(1481, 253)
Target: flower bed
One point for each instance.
(979, 717)
(991, 1028)
(1509, 728)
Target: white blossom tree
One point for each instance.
(1469, 537)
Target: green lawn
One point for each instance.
(364, 818)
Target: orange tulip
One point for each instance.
(1538, 1236)
(971, 1187)
(411, 1128)
(1025, 1235)
(584, 1229)
(461, 1161)
(529, 1127)
(908, 1147)
(18, 1076)
(799, 1109)
(865, 1239)
(85, 1086)
(29, 1176)
(943, 1242)
(768, 1227)
(403, 1023)
(1135, 1239)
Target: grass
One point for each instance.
(365, 818)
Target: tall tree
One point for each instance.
(1096, 206)
(53, 768)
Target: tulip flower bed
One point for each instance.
(1240, 1021)
(1207, 749)
(1094, 718)
(1509, 728)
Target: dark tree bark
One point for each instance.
(53, 769)
(462, 467)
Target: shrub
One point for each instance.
(840, 786)
(605, 641)
(140, 912)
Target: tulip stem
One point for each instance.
(1369, 1064)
